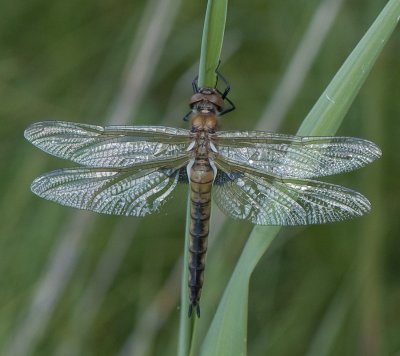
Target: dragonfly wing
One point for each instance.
(268, 200)
(131, 191)
(112, 146)
(295, 156)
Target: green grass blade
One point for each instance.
(185, 323)
(211, 44)
(213, 35)
(327, 114)
(228, 331)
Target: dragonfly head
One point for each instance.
(206, 101)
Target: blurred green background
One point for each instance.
(77, 283)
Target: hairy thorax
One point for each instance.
(203, 131)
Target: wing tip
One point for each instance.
(364, 203)
(37, 186)
(33, 131)
(372, 150)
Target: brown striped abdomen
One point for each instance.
(201, 180)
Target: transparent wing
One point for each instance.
(295, 156)
(110, 147)
(135, 191)
(266, 200)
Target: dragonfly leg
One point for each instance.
(226, 91)
(187, 116)
(227, 85)
(194, 84)
(229, 109)
(195, 90)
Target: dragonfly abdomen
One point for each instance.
(201, 180)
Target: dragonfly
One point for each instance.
(262, 177)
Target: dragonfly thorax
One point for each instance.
(204, 122)
(202, 132)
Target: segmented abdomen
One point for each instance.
(201, 180)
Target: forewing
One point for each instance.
(295, 156)
(134, 192)
(109, 147)
(267, 200)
